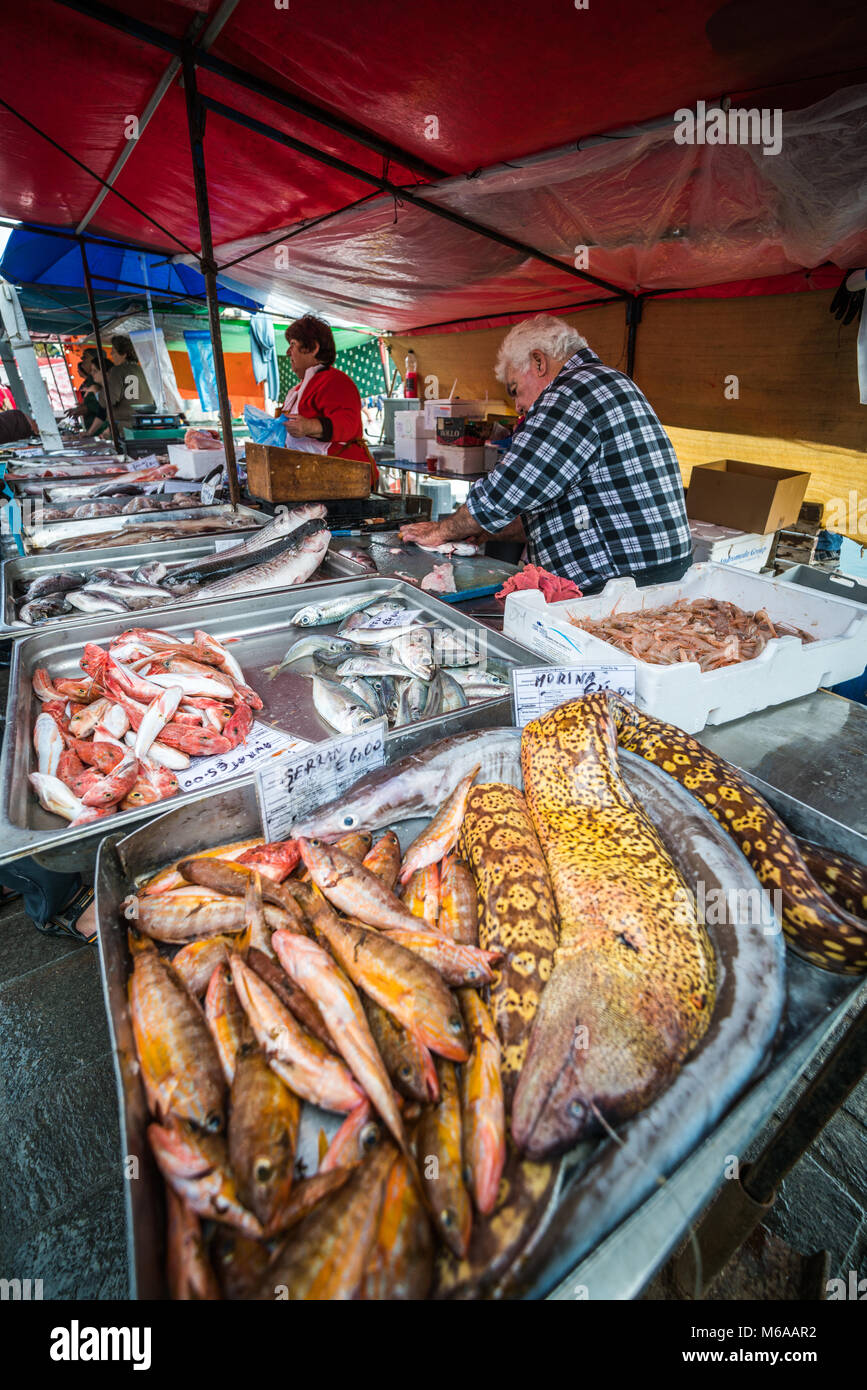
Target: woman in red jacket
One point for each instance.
(324, 409)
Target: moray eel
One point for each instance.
(517, 915)
(815, 926)
(633, 985)
(842, 878)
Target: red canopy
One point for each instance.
(493, 86)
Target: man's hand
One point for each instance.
(424, 533)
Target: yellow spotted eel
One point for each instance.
(516, 913)
(815, 926)
(633, 985)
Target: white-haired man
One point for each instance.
(590, 478)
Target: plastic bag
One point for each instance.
(264, 429)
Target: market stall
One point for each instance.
(380, 825)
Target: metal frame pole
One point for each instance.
(634, 308)
(119, 446)
(208, 266)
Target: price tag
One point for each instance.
(293, 786)
(538, 689)
(263, 745)
(210, 485)
(225, 543)
(400, 617)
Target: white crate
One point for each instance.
(685, 695)
(195, 463)
(720, 545)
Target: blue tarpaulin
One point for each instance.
(36, 257)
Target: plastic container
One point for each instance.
(684, 694)
(195, 463)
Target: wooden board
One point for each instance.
(291, 475)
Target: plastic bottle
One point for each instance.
(410, 377)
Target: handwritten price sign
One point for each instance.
(292, 786)
(263, 745)
(538, 689)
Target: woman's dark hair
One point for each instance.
(310, 331)
(123, 347)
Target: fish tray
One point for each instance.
(263, 633)
(476, 576)
(41, 538)
(608, 1222)
(683, 694)
(18, 573)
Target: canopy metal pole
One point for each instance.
(119, 446)
(208, 266)
(634, 307)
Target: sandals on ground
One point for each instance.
(63, 923)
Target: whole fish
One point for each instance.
(359, 557)
(325, 1257)
(180, 1068)
(211, 566)
(438, 1142)
(482, 1104)
(475, 675)
(300, 1004)
(451, 693)
(458, 964)
(459, 907)
(224, 566)
(160, 712)
(306, 1196)
(341, 709)
(357, 1135)
(55, 796)
(306, 646)
(364, 691)
(314, 970)
(433, 699)
(226, 1020)
(114, 786)
(417, 785)
(299, 1059)
(441, 835)
(412, 648)
(84, 721)
(39, 610)
(196, 1166)
(196, 962)
(516, 912)
(264, 1118)
(161, 754)
(170, 877)
(387, 690)
(371, 666)
(352, 888)
(151, 573)
(231, 878)
(403, 715)
(356, 844)
(408, 1062)
(421, 894)
(389, 638)
(293, 565)
(59, 582)
(189, 1272)
(634, 969)
(48, 742)
(400, 1265)
(384, 859)
(96, 601)
(334, 610)
(240, 1262)
(399, 981)
(816, 927)
(178, 916)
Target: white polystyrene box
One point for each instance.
(195, 463)
(720, 545)
(683, 694)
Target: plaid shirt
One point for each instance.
(594, 477)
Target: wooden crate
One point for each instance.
(291, 475)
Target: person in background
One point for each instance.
(127, 384)
(324, 409)
(15, 425)
(56, 903)
(92, 408)
(590, 478)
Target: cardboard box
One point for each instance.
(720, 545)
(433, 410)
(454, 458)
(745, 496)
(459, 429)
(413, 442)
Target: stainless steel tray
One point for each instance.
(16, 574)
(261, 625)
(475, 575)
(602, 1190)
(113, 527)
